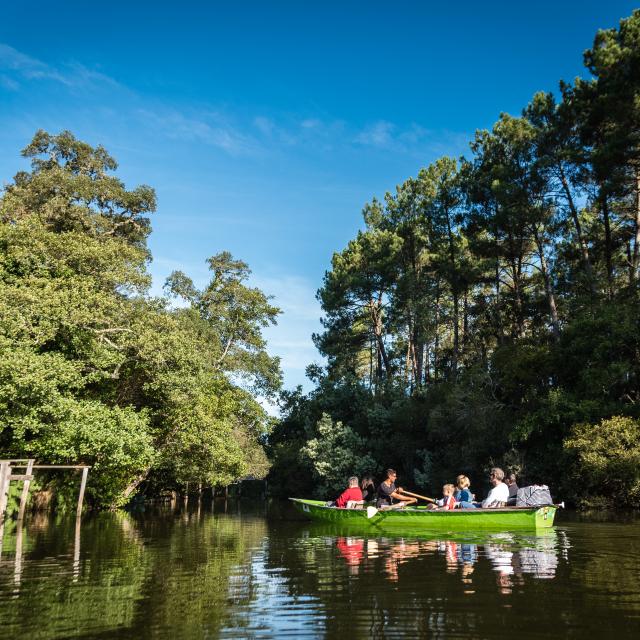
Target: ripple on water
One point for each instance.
(184, 575)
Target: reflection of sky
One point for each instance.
(259, 593)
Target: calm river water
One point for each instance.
(253, 571)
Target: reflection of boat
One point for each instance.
(512, 556)
(423, 518)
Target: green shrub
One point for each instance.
(335, 454)
(607, 461)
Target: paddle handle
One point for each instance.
(416, 495)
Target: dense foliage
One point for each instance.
(488, 312)
(95, 370)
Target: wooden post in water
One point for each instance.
(83, 484)
(5, 470)
(5, 474)
(76, 551)
(17, 567)
(24, 496)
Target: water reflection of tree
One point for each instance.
(168, 575)
(189, 575)
(50, 603)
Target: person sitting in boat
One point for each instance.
(387, 493)
(513, 489)
(463, 495)
(351, 494)
(499, 493)
(368, 489)
(447, 502)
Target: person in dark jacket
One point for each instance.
(511, 481)
(387, 493)
(368, 489)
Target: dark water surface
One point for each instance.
(254, 571)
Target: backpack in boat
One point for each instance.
(537, 495)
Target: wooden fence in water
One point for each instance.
(7, 476)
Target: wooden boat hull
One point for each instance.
(423, 518)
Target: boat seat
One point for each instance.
(355, 504)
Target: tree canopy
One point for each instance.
(489, 310)
(94, 369)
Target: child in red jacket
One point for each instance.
(447, 502)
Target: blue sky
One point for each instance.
(265, 126)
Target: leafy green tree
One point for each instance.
(95, 370)
(504, 291)
(233, 316)
(607, 460)
(336, 453)
(355, 296)
(612, 125)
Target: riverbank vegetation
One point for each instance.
(152, 392)
(489, 311)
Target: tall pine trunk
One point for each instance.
(584, 249)
(376, 321)
(551, 300)
(636, 246)
(456, 298)
(608, 245)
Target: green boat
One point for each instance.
(420, 517)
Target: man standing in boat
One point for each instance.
(387, 493)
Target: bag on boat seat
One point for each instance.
(537, 495)
(355, 504)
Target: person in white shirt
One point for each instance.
(499, 494)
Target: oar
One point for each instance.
(371, 511)
(416, 495)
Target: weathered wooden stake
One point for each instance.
(76, 551)
(17, 567)
(24, 496)
(83, 484)
(5, 473)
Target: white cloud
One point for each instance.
(378, 134)
(266, 126)
(412, 139)
(207, 127)
(8, 83)
(257, 135)
(18, 66)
